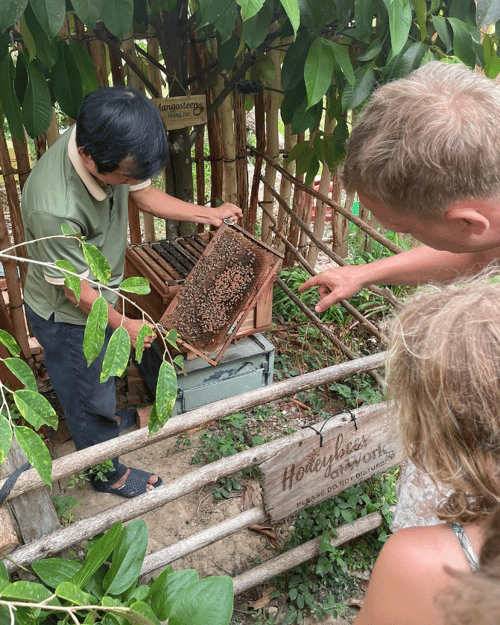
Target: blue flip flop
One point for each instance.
(136, 484)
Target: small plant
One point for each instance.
(65, 508)
(97, 472)
(321, 587)
(105, 589)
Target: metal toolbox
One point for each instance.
(246, 365)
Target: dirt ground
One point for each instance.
(192, 513)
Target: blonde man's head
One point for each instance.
(427, 141)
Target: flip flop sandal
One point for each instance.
(135, 484)
(128, 418)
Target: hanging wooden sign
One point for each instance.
(338, 453)
(183, 111)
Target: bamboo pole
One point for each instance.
(297, 200)
(98, 56)
(199, 159)
(182, 548)
(260, 137)
(140, 505)
(79, 460)
(214, 134)
(272, 104)
(377, 290)
(52, 132)
(285, 186)
(240, 133)
(22, 159)
(352, 218)
(340, 225)
(128, 46)
(229, 149)
(320, 216)
(288, 560)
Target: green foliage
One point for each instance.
(321, 586)
(65, 507)
(105, 586)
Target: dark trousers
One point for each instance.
(89, 405)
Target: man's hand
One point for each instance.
(133, 326)
(336, 283)
(225, 211)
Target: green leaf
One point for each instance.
(54, 571)
(420, 7)
(356, 94)
(399, 23)
(226, 52)
(28, 40)
(250, 8)
(71, 593)
(341, 54)
(128, 556)
(364, 11)
(27, 591)
(37, 103)
(89, 11)
(487, 12)
(144, 331)
(298, 151)
(444, 31)
(492, 62)
(11, 12)
(154, 423)
(166, 391)
(312, 170)
(23, 372)
(171, 337)
(179, 361)
(292, 70)
(305, 117)
(46, 50)
(462, 42)
(9, 342)
(141, 608)
(66, 229)
(371, 52)
(97, 554)
(95, 330)
(8, 98)
(36, 452)
(137, 285)
(66, 81)
(293, 13)
(117, 15)
(97, 263)
(208, 601)
(50, 15)
(117, 354)
(35, 408)
(166, 589)
(71, 282)
(85, 67)
(5, 438)
(318, 70)
(256, 28)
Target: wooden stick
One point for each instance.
(275, 566)
(182, 548)
(91, 456)
(384, 292)
(250, 220)
(350, 216)
(140, 505)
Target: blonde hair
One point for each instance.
(444, 377)
(427, 141)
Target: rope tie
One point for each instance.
(11, 480)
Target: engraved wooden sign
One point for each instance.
(182, 111)
(346, 452)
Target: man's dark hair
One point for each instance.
(116, 122)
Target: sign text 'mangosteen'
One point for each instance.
(306, 473)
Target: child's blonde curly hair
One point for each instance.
(444, 378)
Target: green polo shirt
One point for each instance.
(61, 190)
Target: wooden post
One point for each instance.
(34, 511)
(260, 136)
(240, 134)
(134, 224)
(98, 55)
(285, 188)
(215, 143)
(22, 159)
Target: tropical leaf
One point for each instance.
(89, 11)
(117, 16)
(9, 342)
(28, 591)
(50, 15)
(97, 555)
(167, 587)
(117, 354)
(293, 13)
(85, 67)
(318, 70)
(66, 81)
(5, 438)
(8, 98)
(35, 408)
(166, 392)
(72, 594)
(22, 371)
(11, 12)
(137, 285)
(37, 103)
(36, 452)
(70, 281)
(95, 330)
(54, 571)
(208, 601)
(249, 8)
(97, 263)
(144, 331)
(128, 556)
(45, 48)
(399, 23)
(356, 94)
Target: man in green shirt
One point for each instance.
(84, 180)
